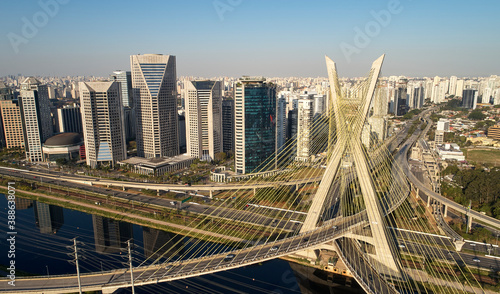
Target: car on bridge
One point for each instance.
(274, 248)
(229, 257)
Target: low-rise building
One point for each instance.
(62, 146)
(157, 166)
(494, 132)
(451, 152)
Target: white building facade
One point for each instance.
(203, 105)
(155, 99)
(102, 120)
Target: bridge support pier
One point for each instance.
(254, 191)
(158, 192)
(458, 245)
(428, 200)
(416, 194)
(445, 210)
(469, 223)
(123, 188)
(211, 194)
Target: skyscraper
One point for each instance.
(12, 124)
(5, 95)
(102, 117)
(69, 119)
(304, 126)
(453, 85)
(203, 101)
(400, 107)
(319, 104)
(469, 98)
(255, 125)
(35, 114)
(124, 78)
(155, 99)
(460, 87)
(281, 123)
(227, 125)
(418, 97)
(485, 99)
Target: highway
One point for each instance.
(445, 201)
(108, 281)
(180, 269)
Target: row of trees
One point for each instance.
(480, 186)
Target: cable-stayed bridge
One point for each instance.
(362, 192)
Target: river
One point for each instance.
(44, 239)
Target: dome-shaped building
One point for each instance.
(63, 145)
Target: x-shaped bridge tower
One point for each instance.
(349, 110)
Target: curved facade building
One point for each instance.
(62, 146)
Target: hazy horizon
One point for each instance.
(242, 37)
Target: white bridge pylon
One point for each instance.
(350, 114)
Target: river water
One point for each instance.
(44, 239)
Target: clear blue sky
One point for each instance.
(253, 37)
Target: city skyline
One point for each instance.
(421, 38)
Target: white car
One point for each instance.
(476, 259)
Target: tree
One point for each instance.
(221, 156)
(61, 161)
(476, 114)
(451, 170)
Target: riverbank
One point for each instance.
(122, 215)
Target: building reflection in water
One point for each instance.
(110, 236)
(22, 203)
(48, 218)
(160, 244)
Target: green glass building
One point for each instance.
(255, 125)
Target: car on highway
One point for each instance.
(305, 239)
(229, 257)
(475, 259)
(401, 246)
(274, 248)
